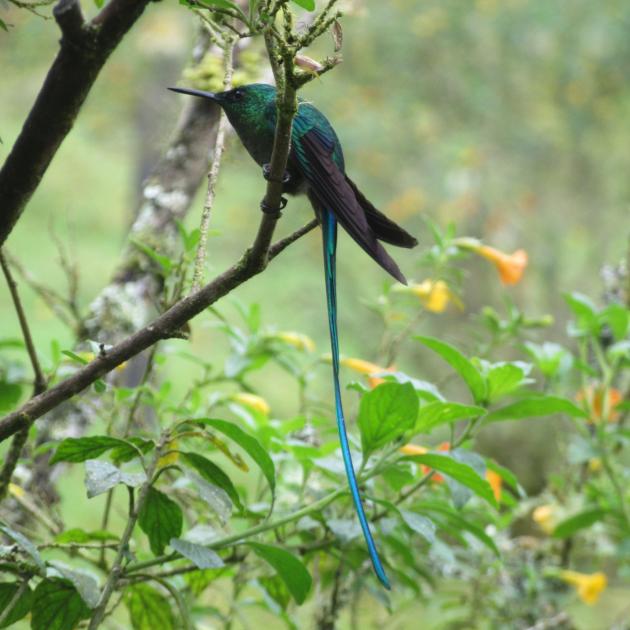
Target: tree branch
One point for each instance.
(84, 49)
(161, 328)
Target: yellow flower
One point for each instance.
(594, 464)
(367, 368)
(413, 449)
(257, 403)
(510, 266)
(434, 295)
(297, 340)
(589, 586)
(545, 517)
(495, 481)
(16, 490)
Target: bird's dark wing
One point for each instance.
(383, 227)
(312, 153)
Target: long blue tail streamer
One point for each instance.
(329, 228)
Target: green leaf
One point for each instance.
(25, 544)
(10, 394)
(276, 589)
(4, 27)
(81, 449)
(200, 556)
(130, 449)
(58, 606)
(21, 608)
(436, 413)
(222, 4)
(309, 5)
(464, 474)
(148, 608)
(75, 357)
(160, 519)
(288, 567)
(85, 583)
(617, 317)
(99, 386)
(460, 523)
(163, 261)
(503, 379)
(248, 443)
(585, 313)
(78, 535)
(420, 524)
(460, 364)
(101, 476)
(582, 520)
(213, 474)
(535, 407)
(386, 413)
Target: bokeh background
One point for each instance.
(510, 118)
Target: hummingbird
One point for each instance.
(316, 168)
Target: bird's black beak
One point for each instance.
(210, 95)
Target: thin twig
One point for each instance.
(213, 174)
(39, 385)
(40, 379)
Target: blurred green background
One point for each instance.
(510, 118)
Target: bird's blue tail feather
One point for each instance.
(329, 228)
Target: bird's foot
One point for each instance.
(266, 169)
(267, 209)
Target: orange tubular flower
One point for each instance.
(510, 266)
(496, 482)
(601, 402)
(588, 586)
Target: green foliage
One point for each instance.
(160, 519)
(293, 573)
(248, 443)
(21, 607)
(385, 414)
(444, 516)
(148, 608)
(58, 606)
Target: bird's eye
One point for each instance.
(238, 95)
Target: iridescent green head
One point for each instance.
(244, 105)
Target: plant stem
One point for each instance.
(248, 533)
(19, 440)
(213, 174)
(134, 512)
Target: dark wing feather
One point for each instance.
(313, 155)
(384, 228)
